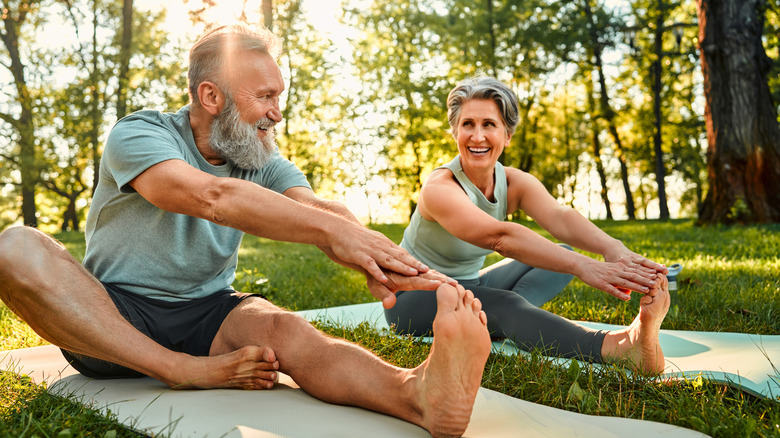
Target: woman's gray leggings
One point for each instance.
(510, 292)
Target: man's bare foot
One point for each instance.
(638, 344)
(451, 375)
(247, 368)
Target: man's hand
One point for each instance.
(385, 292)
(373, 252)
(354, 245)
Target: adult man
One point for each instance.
(177, 192)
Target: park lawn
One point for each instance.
(730, 282)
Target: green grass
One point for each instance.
(730, 282)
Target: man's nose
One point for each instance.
(275, 113)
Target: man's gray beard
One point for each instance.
(237, 142)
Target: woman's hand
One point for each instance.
(385, 292)
(617, 279)
(620, 254)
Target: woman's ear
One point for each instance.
(211, 97)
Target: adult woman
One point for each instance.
(459, 220)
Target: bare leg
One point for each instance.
(68, 307)
(638, 343)
(437, 395)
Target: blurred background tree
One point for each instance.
(612, 97)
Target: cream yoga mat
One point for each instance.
(749, 362)
(149, 407)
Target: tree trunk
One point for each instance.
(94, 135)
(492, 35)
(743, 153)
(660, 170)
(28, 166)
(70, 219)
(607, 112)
(594, 127)
(124, 58)
(268, 14)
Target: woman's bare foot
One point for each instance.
(638, 343)
(450, 377)
(247, 368)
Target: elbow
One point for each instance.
(211, 200)
(498, 240)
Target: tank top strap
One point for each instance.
(499, 192)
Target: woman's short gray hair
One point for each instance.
(483, 88)
(211, 52)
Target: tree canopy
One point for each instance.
(612, 95)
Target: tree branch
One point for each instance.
(10, 158)
(10, 120)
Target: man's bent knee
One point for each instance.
(26, 253)
(14, 243)
(259, 322)
(292, 324)
(24, 241)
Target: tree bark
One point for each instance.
(743, 153)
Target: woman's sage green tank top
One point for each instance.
(430, 243)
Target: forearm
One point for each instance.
(574, 229)
(524, 245)
(334, 207)
(264, 213)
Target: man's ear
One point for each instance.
(211, 97)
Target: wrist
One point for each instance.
(613, 249)
(579, 264)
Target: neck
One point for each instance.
(483, 178)
(200, 121)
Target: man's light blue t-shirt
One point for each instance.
(147, 250)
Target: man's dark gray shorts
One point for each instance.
(183, 326)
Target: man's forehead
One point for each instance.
(261, 69)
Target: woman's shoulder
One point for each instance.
(514, 175)
(520, 183)
(440, 175)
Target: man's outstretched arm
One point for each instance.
(177, 187)
(384, 292)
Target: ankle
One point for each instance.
(615, 346)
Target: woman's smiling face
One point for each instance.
(481, 133)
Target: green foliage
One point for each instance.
(377, 119)
(312, 110)
(71, 80)
(404, 74)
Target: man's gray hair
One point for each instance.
(486, 88)
(212, 52)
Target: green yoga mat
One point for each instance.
(749, 362)
(148, 406)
